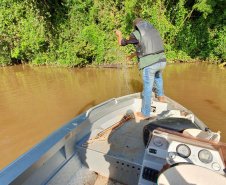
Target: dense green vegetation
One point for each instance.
(80, 32)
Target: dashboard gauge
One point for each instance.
(183, 150)
(205, 156)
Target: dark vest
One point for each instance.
(151, 42)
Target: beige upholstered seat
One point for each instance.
(185, 174)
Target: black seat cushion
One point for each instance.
(175, 124)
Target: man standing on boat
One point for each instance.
(152, 59)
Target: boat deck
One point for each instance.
(126, 142)
(120, 156)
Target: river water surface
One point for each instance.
(35, 101)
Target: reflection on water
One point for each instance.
(34, 102)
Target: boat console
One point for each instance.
(167, 146)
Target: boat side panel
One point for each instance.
(111, 167)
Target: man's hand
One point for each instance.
(128, 58)
(118, 33)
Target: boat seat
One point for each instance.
(190, 174)
(174, 124)
(211, 136)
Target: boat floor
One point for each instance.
(86, 177)
(75, 173)
(101, 180)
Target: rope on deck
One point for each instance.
(113, 128)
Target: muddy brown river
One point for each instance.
(35, 101)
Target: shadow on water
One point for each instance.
(136, 85)
(87, 106)
(213, 104)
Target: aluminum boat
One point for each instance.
(109, 144)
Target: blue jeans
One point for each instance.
(150, 74)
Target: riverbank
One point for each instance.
(129, 64)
